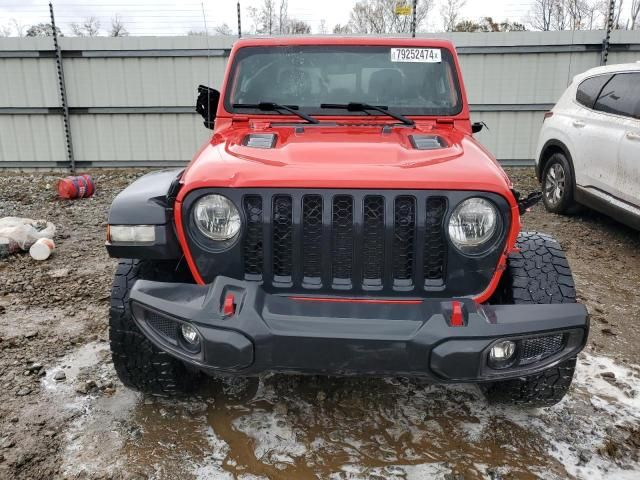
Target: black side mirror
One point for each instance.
(207, 104)
(478, 126)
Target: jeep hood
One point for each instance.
(347, 156)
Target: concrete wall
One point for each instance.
(132, 99)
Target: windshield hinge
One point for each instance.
(444, 121)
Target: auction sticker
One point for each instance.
(421, 55)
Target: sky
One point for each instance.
(176, 17)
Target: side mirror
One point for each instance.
(207, 104)
(478, 126)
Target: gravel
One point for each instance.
(64, 414)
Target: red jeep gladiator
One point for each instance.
(341, 220)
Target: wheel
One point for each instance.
(558, 185)
(538, 274)
(138, 363)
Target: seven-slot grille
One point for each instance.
(339, 242)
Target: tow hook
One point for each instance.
(529, 201)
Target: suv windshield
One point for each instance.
(408, 81)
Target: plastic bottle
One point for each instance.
(41, 250)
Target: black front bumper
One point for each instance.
(281, 334)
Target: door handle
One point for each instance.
(633, 136)
(578, 124)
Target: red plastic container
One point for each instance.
(81, 186)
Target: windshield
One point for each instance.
(409, 81)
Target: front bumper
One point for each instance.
(282, 334)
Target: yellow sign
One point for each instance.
(403, 9)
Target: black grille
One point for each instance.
(282, 240)
(163, 325)
(342, 239)
(253, 246)
(536, 349)
(435, 246)
(312, 237)
(362, 241)
(373, 240)
(404, 217)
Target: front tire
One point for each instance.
(140, 365)
(538, 274)
(558, 185)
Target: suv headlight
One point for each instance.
(217, 217)
(473, 225)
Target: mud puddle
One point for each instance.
(282, 427)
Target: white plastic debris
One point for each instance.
(41, 250)
(18, 233)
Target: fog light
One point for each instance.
(502, 353)
(190, 334)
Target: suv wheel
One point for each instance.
(539, 273)
(138, 363)
(557, 185)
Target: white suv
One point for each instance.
(589, 147)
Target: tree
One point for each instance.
(223, 29)
(90, 27)
(298, 27)
(342, 29)
(283, 18)
(18, 27)
(322, 28)
(617, 13)
(42, 30)
(488, 25)
(264, 19)
(634, 21)
(379, 17)
(117, 27)
(450, 12)
(567, 14)
(5, 31)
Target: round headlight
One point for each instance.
(472, 224)
(217, 217)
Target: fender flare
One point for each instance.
(542, 160)
(148, 201)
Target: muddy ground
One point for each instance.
(63, 413)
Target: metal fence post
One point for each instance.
(413, 18)
(605, 43)
(63, 93)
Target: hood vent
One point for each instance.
(428, 142)
(260, 140)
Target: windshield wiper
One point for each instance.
(363, 107)
(276, 107)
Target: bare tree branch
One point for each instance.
(450, 12)
(379, 17)
(90, 27)
(117, 27)
(223, 29)
(18, 27)
(633, 18)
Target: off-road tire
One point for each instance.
(566, 204)
(140, 365)
(538, 274)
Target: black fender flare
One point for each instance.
(148, 201)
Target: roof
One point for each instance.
(344, 40)
(617, 68)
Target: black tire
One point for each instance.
(538, 274)
(138, 363)
(558, 185)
